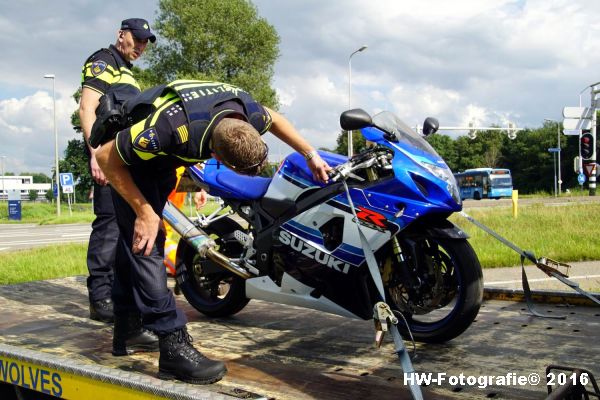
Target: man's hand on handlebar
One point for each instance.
(319, 168)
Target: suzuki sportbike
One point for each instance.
(295, 241)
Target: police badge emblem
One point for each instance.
(98, 67)
(147, 141)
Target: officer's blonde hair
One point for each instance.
(239, 146)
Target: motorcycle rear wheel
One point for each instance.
(210, 289)
(459, 289)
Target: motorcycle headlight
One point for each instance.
(446, 175)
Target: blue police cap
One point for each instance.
(139, 28)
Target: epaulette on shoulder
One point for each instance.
(103, 54)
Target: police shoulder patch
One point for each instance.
(98, 67)
(147, 141)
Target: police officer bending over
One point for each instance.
(189, 121)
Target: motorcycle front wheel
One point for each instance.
(437, 286)
(209, 288)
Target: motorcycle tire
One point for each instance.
(203, 283)
(458, 257)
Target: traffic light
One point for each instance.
(587, 146)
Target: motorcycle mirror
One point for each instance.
(431, 125)
(354, 119)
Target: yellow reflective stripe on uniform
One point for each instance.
(162, 108)
(106, 76)
(128, 80)
(117, 147)
(94, 89)
(268, 124)
(126, 77)
(162, 99)
(180, 85)
(188, 81)
(112, 69)
(112, 76)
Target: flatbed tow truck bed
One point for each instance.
(48, 344)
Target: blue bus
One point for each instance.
(484, 183)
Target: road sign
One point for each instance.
(590, 169)
(581, 179)
(572, 132)
(66, 182)
(66, 179)
(573, 123)
(14, 204)
(577, 112)
(554, 150)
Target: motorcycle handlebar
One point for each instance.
(345, 169)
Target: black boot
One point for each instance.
(102, 310)
(130, 337)
(179, 359)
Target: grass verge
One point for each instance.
(45, 213)
(560, 232)
(43, 263)
(565, 233)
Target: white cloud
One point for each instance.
(463, 60)
(27, 131)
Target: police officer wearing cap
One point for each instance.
(107, 72)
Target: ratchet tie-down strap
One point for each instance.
(382, 312)
(541, 263)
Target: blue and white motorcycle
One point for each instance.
(298, 242)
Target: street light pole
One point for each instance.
(53, 77)
(2, 158)
(558, 155)
(554, 159)
(559, 180)
(350, 93)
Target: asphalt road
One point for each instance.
(22, 236)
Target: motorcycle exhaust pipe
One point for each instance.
(199, 240)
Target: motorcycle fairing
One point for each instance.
(223, 182)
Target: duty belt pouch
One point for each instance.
(110, 119)
(116, 112)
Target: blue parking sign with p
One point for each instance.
(66, 179)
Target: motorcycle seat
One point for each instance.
(247, 187)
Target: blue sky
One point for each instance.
(487, 61)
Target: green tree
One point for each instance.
(214, 40)
(75, 121)
(358, 143)
(445, 147)
(33, 195)
(49, 195)
(76, 162)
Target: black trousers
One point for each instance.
(102, 246)
(141, 281)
